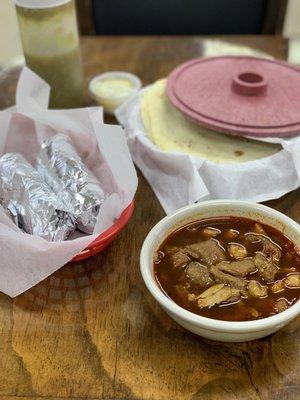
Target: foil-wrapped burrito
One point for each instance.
(62, 168)
(33, 205)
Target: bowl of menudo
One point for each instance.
(226, 270)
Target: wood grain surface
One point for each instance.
(93, 331)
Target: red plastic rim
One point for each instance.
(105, 238)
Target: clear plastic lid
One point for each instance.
(40, 3)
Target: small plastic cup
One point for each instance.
(111, 101)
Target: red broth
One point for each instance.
(187, 264)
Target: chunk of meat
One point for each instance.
(267, 269)
(237, 250)
(239, 268)
(278, 286)
(210, 232)
(209, 251)
(271, 250)
(257, 290)
(232, 272)
(217, 294)
(254, 237)
(198, 273)
(292, 280)
(281, 305)
(233, 281)
(178, 257)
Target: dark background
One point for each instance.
(180, 17)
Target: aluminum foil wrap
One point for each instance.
(62, 168)
(33, 205)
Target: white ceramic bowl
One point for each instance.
(111, 102)
(210, 328)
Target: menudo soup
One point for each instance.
(229, 268)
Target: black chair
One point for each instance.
(181, 17)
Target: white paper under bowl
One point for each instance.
(225, 331)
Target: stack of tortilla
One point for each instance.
(171, 131)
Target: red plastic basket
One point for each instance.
(106, 237)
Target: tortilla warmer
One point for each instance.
(105, 238)
(245, 96)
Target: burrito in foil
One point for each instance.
(31, 202)
(62, 168)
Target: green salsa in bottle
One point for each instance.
(50, 42)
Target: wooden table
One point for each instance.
(92, 330)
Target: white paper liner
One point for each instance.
(28, 259)
(179, 179)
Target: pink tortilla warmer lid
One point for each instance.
(238, 95)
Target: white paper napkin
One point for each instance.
(28, 259)
(180, 179)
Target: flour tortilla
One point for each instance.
(171, 131)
